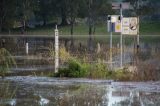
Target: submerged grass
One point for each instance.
(6, 90)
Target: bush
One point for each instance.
(122, 75)
(6, 61)
(98, 70)
(75, 69)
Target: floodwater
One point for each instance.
(44, 91)
(39, 59)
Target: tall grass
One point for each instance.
(6, 91)
(6, 61)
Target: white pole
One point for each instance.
(121, 39)
(27, 49)
(56, 50)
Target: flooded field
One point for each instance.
(39, 47)
(43, 91)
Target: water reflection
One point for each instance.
(78, 92)
(10, 102)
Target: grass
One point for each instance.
(147, 28)
(150, 28)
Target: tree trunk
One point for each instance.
(64, 17)
(24, 26)
(90, 38)
(94, 30)
(0, 28)
(1, 25)
(44, 20)
(71, 28)
(72, 42)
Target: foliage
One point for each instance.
(64, 55)
(147, 71)
(7, 13)
(123, 75)
(25, 11)
(143, 7)
(6, 61)
(98, 70)
(75, 69)
(120, 75)
(44, 10)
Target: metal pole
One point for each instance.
(111, 50)
(56, 50)
(138, 35)
(121, 39)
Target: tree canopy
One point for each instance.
(65, 10)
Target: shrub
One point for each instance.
(98, 70)
(64, 56)
(75, 69)
(6, 61)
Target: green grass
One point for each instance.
(148, 28)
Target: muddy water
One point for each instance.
(43, 91)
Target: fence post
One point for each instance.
(27, 48)
(56, 50)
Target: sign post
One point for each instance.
(113, 26)
(111, 29)
(121, 39)
(121, 6)
(138, 37)
(56, 50)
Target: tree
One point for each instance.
(142, 7)
(44, 10)
(96, 9)
(7, 14)
(61, 9)
(6, 61)
(73, 8)
(25, 10)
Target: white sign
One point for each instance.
(115, 18)
(130, 26)
(114, 24)
(125, 22)
(125, 30)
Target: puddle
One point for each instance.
(43, 91)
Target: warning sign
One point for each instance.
(117, 27)
(130, 26)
